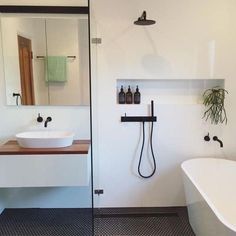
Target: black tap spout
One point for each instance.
(215, 138)
(49, 119)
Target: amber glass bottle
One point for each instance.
(121, 96)
(137, 96)
(129, 96)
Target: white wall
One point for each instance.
(84, 60)
(16, 119)
(39, 48)
(191, 40)
(63, 39)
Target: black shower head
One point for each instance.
(143, 21)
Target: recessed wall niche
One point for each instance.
(170, 91)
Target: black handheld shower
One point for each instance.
(144, 119)
(142, 20)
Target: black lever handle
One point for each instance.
(207, 138)
(40, 118)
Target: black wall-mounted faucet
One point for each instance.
(17, 95)
(49, 119)
(215, 138)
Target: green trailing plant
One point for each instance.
(214, 100)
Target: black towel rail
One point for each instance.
(42, 57)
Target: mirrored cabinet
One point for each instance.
(46, 59)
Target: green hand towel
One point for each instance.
(56, 69)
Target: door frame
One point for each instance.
(22, 81)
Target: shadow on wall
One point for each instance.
(11, 197)
(45, 197)
(154, 63)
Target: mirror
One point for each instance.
(46, 59)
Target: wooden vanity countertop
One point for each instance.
(12, 148)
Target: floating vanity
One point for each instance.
(45, 167)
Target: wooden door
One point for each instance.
(26, 71)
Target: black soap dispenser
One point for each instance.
(137, 96)
(121, 96)
(129, 96)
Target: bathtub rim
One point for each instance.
(204, 195)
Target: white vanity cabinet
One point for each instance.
(59, 167)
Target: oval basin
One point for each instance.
(45, 139)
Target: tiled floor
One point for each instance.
(142, 222)
(109, 222)
(46, 222)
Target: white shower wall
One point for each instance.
(191, 40)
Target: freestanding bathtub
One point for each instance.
(210, 189)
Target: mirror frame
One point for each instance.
(44, 9)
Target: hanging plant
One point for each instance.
(214, 99)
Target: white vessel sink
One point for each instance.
(45, 139)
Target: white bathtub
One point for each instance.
(210, 189)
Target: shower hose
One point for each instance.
(141, 154)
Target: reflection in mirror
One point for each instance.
(46, 60)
